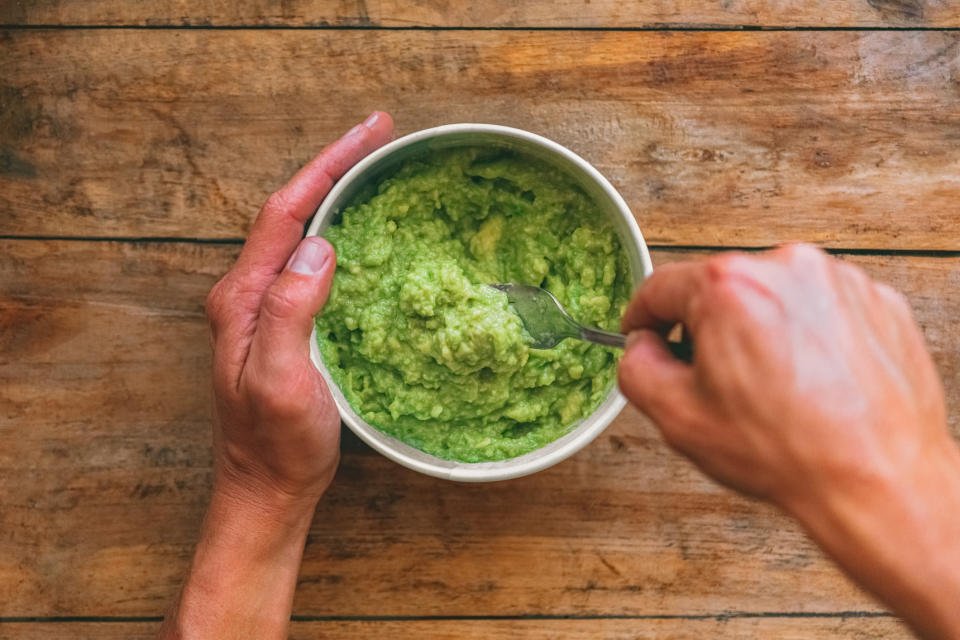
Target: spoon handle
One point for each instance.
(605, 338)
(682, 350)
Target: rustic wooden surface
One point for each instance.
(720, 139)
(779, 628)
(490, 13)
(106, 384)
(113, 137)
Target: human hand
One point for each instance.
(811, 387)
(277, 431)
(807, 373)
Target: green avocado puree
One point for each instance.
(419, 344)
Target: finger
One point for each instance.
(865, 302)
(855, 292)
(801, 269)
(664, 299)
(279, 226)
(893, 301)
(281, 341)
(902, 327)
(656, 382)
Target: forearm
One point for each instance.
(244, 571)
(898, 535)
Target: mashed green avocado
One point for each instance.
(424, 350)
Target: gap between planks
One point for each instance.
(287, 27)
(735, 615)
(912, 253)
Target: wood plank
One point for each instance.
(492, 13)
(781, 628)
(104, 473)
(743, 139)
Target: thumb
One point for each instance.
(291, 302)
(653, 380)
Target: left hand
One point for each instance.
(277, 430)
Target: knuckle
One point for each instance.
(893, 297)
(727, 271)
(806, 261)
(728, 266)
(854, 280)
(853, 273)
(277, 202)
(802, 252)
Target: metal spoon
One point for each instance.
(548, 323)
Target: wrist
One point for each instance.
(916, 487)
(260, 502)
(894, 529)
(245, 566)
(251, 483)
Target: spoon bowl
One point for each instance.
(548, 323)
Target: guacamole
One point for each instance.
(419, 344)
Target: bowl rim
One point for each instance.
(577, 438)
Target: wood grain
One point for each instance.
(104, 472)
(780, 628)
(491, 13)
(848, 139)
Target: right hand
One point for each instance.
(807, 376)
(811, 387)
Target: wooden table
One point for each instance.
(138, 139)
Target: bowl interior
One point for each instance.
(384, 161)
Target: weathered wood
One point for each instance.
(844, 138)
(492, 13)
(104, 471)
(780, 628)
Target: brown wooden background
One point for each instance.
(137, 140)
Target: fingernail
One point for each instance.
(357, 129)
(632, 338)
(371, 119)
(309, 258)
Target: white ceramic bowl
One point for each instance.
(594, 185)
